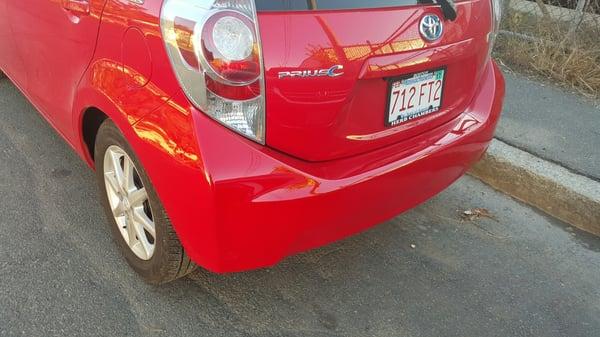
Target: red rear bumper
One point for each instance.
(259, 206)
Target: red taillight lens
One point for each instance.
(230, 47)
(214, 48)
(238, 93)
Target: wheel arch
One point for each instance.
(87, 119)
(90, 124)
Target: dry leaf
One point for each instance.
(475, 214)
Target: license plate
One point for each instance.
(414, 96)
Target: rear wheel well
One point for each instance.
(92, 119)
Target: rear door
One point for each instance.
(56, 40)
(335, 70)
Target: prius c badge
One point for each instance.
(334, 71)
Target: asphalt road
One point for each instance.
(518, 273)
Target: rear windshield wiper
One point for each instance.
(448, 8)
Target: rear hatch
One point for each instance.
(334, 72)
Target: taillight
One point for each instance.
(215, 51)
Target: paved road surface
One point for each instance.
(519, 274)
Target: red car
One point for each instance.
(233, 133)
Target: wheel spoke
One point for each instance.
(118, 170)
(127, 174)
(112, 182)
(119, 210)
(131, 232)
(142, 239)
(142, 219)
(137, 197)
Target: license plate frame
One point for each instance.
(414, 113)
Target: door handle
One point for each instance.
(77, 7)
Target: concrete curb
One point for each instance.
(551, 188)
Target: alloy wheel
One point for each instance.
(128, 200)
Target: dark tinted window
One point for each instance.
(283, 5)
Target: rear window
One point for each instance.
(298, 5)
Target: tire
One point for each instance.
(2, 75)
(167, 260)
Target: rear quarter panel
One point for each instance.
(137, 89)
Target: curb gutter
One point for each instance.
(551, 188)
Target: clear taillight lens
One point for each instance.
(214, 48)
(230, 48)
